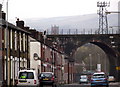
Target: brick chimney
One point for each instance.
(27, 28)
(20, 23)
(2, 14)
(0, 10)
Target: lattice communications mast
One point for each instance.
(103, 23)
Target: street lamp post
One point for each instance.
(54, 57)
(90, 62)
(44, 38)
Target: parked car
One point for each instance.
(47, 78)
(111, 78)
(99, 79)
(83, 79)
(27, 78)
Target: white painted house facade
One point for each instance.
(35, 55)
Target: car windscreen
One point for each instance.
(26, 75)
(99, 76)
(46, 75)
(83, 77)
(110, 77)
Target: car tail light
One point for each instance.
(92, 80)
(52, 78)
(105, 78)
(34, 81)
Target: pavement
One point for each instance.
(0, 83)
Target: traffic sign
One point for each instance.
(118, 68)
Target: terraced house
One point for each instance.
(46, 56)
(14, 50)
(21, 47)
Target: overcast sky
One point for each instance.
(24, 9)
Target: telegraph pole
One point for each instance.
(7, 44)
(103, 24)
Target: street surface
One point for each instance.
(84, 85)
(88, 85)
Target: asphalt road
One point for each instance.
(87, 85)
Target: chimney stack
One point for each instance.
(27, 28)
(0, 10)
(20, 23)
(2, 14)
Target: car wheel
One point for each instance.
(107, 85)
(55, 85)
(52, 85)
(41, 85)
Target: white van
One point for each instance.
(27, 78)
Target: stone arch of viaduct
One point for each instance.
(109, 43)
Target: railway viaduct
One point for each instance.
(109, 43)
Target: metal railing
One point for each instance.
(82, 31)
